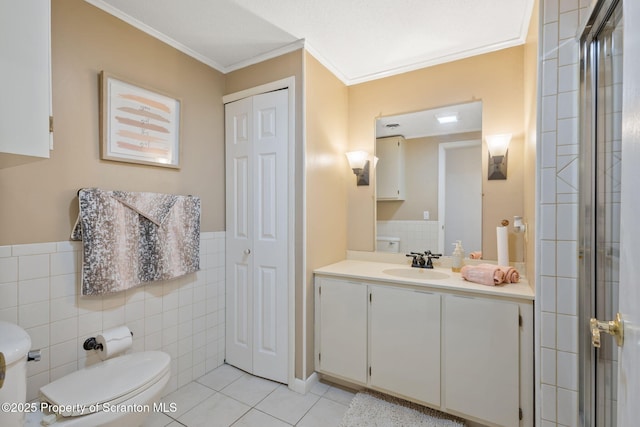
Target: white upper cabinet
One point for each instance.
(390, 179)
(25, 79)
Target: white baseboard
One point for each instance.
(304, 386)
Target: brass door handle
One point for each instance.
(612, 327)
(3, 369)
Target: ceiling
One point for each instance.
(358, 40)
(420, 124)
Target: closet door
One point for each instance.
(257, 240)
(239, 237)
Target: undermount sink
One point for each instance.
(416, 273)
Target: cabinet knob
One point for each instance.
(247, 251)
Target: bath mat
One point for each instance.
(374, 409)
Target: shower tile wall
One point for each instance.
(39, 290)
(414, 235)
(557, 293)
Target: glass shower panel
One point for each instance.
(607, 204)
(600, 159)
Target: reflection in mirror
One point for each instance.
(429, 180)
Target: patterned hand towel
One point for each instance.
(133, 238)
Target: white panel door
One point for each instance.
(257, 239)
(460, 195)
(270, 146)
(239, 238)
(404, 343)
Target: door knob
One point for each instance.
(247, 251)
(3, 369)
(612, 327)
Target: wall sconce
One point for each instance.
(359, 163)
(498, 146)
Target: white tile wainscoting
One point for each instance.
(185, 317)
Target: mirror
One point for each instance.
(429, 180)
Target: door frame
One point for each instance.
(286, 83)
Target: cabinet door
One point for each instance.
(390, 169)
(481, 359)
(405, 343)
(25, 84)
(341, 329)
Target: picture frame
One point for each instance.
(138, 124)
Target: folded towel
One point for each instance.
(476, 255)
(511, 275)
(485, 274)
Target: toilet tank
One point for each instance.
(14, 346)
(388, 244)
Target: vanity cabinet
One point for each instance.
(390, 170)
(341, 309)
(481, 358)
(465, 354)
(404, 342)
(25, 103)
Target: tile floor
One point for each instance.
(230, 397)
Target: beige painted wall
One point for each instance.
(284, 66)
(327, 175)
(39, 202)
(530, 125)
(496, 79)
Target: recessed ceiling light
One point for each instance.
(447, 118)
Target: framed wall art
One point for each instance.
(138, 124)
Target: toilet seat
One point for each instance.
(107, 383)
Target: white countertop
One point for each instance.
(374, 271)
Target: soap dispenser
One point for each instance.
(457, 257)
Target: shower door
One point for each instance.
(600, 154)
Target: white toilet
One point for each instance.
(388, 244)
(120, 391)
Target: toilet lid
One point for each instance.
(14, 342)
(82, 392)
